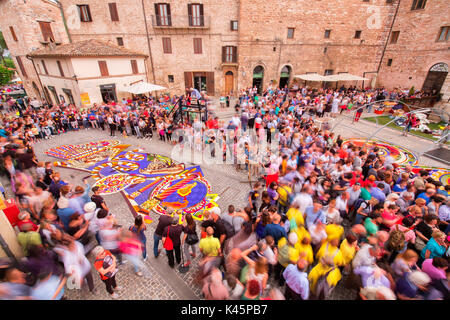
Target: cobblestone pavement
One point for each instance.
(161, 281)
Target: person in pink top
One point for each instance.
(436, 268)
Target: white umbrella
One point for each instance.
(16, 79)
(312, 77)
(345, 77)
(143, 87)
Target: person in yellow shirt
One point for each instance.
(287, 253)
(305, 249)
(210, 246)
(284, 194)
(348, 249)
(295, 213)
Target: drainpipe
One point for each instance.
(388, 37)
(148, 42)
(64, 19)
(39, 78)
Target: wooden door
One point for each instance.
(229, 82)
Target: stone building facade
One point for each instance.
(224, 46)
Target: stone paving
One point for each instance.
(161, 281)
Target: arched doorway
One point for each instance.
(229, 82)
(435, 78)
(36, 91)
(258, 78)
(285, 76)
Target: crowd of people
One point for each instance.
(323, 212)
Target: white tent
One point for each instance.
(312, 77)
(16, 80)
(143, 87)
(345, 77)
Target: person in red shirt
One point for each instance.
(24, 218)
(105, 264)
(369, 182)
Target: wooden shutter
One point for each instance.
(157, 14)
(224, 54)
(134, 66)
(13, 33)
(21, 67)
(61, 72)
(234, 54)
(210, 83)
(120, 41)
(46, 30)
(89, 14)
(197, 45)
(44, 66)
(190, 14)
(167, 45)
(113, 11)
(103, 68)
(202, 17)
(188, 79)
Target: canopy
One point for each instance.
(16, 80)
(312, 77)
(345, 77)
(143, 87)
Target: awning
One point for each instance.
(345, 77)
(312, 77)
(143, 87)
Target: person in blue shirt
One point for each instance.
(297, 283)
(378, 193)
(427, 195)
(315, 213)
(48, 287)
(274, 229)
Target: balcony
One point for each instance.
(180, 22)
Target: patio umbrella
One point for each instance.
(345, 77)
(143, 87)
(312, 77)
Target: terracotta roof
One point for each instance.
(86, 48)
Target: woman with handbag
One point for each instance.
(190, 238)
(172, 242)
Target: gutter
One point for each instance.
(64, 20)
(148, 42)
(389, 36)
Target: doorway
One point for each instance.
(229, 82)
(258, 78)
(108, 92)
(435, 78)
(285, 76)
(200, 83)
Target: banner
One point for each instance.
(85, 98)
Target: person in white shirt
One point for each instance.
(304, 199)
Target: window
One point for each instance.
(21, 67)
(328, 72)
(46, 30)
(44, 66)
(389, 1)
(120, 41)
(85, 13)
(170, 78)
(418, 4)
(290, 34)
(167, 45)
(162, 12)
(389, 63)
(197, 45)
(233, 25)
(13, 33)
(229, 54)
(327, 34)
(103, 68)
(55, 95)
(113, 11)
(444, 34)
(325, 50)
(195, 13)
(358, 34)
(134, 67)
(394, 36)
(61, 72)
(366, 0)
(68, 93)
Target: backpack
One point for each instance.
(396, 240)
(229, 228)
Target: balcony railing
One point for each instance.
(181, 22)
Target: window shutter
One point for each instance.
(21, 67)
(61, 72)
(202, 17)
(198, 45)
(224, 53)
(169, 16)
(103, 68)
(134, 66)
(167, 45)
(190, 14)
(234, 54)
(45, 67)
(210, 83)
(113, 11)
(188, 79)
(89, 14)
(157, 14)
(13, 33)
